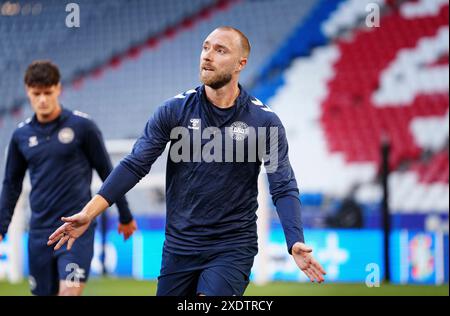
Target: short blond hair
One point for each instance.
(245, 43)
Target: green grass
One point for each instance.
(118, 287)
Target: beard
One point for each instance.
(215, 81)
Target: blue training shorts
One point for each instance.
(47, 267)
(223, 272)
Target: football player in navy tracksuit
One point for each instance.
(59, 148)
(211, 237)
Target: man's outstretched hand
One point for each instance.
(73, 228)
(306, 262)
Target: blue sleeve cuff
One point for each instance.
(288, 209)
(125, 215)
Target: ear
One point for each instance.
(242, 63)
(58, 88)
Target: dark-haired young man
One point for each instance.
(59, 148)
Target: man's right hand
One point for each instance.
(1, 238)
(74, 227)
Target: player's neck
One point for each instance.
(224, 97)
(50, 117)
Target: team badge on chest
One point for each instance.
(66, 135)
(238, 131)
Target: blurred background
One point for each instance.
(361, 86)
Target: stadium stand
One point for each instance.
(389, 81)
(108, 28)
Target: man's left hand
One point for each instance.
(127, 229)
(306, 262)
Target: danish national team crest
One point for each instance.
(66, 135)
(238, 131)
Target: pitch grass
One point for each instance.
(129, 287)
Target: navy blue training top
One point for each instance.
(212, 204)
(60, 156)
